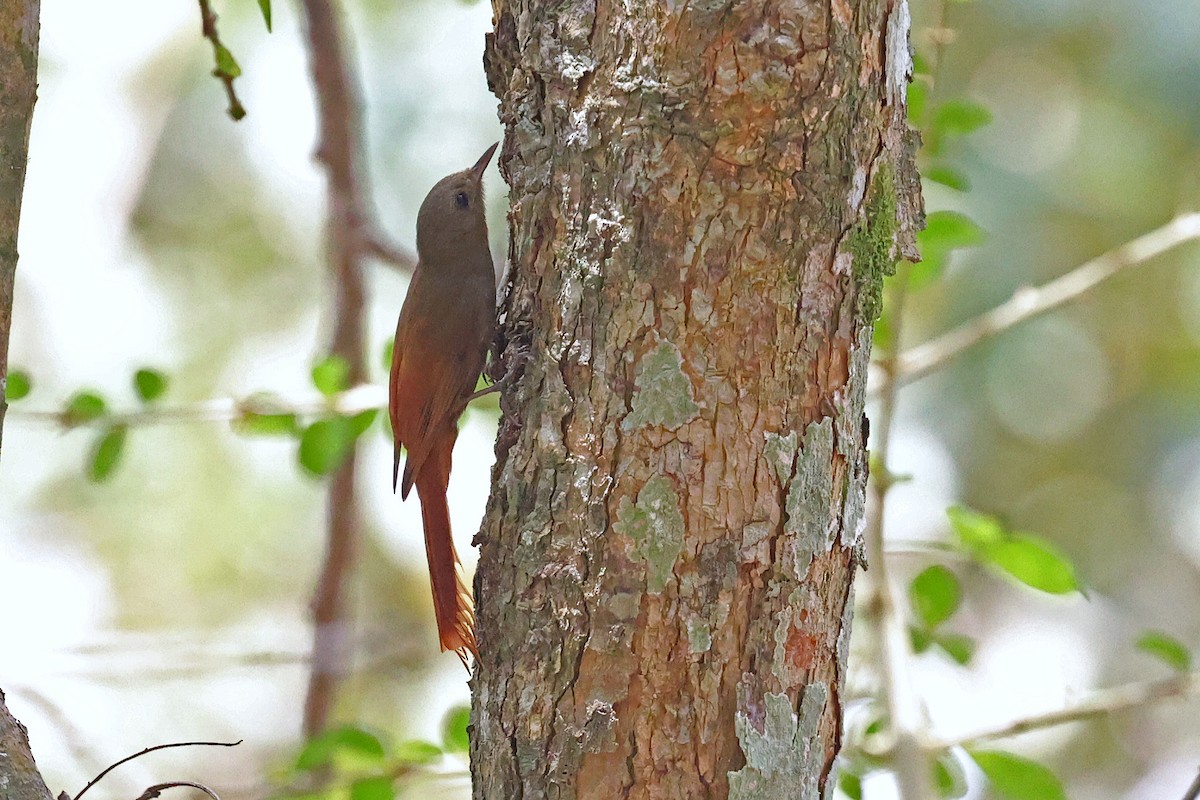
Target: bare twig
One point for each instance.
(1028, 303)
(158, 788)
(1194, 790)
(1101, 702)
(903, 737)
(226, 68)
(364, 397)
(141, 753)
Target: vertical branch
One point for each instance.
(18, 773)
(910, 759)
(337, 151)
(18, 91)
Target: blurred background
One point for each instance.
(170, 601)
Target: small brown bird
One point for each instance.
(442, 338)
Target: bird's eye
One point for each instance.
(461, 200)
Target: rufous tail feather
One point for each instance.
(452, 602)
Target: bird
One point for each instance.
(446, 324)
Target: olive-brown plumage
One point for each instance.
(442, 337)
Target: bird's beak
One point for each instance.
(482, 163)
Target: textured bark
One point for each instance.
(19, 28)
(705, 198)
(19, 776)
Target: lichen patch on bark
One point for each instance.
(655, 524)
(782, 747)
(664, 394)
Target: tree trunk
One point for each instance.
(705, 199)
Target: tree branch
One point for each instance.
(1028, 303)
(226, 68)
(1102, 702)
(18, 773)
(19, 30)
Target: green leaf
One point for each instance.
(251, 423)
(345, 744)
(332, 375)
(919, 638)
(947, 176)
(934, 595)
(265, 7)
(918, 93)
(106, 454)
(1034, 562)
(949, 777)
(1018, 778)
(227, 66)
(974, 530)
(18, 385)
(378, 787)
(960, 117)
(851, 785)
(415, 751)
(85, 406)
(1165, 648)
(150, 384)
(920, 64)
(360, 422)
(454, 730)
(388, 348)
(958, 647)
(949, 230)
(325, 444)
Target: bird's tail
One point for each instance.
(452, 603)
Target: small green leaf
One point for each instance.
(958, 647)
(265, 7)
(918, 93)
(947, 176)
(1035, 563)
(949, 777)
(1165, 648)
(106, 454)
(388, 348)
(415, 751)
(454, 730)
(949, 230)
(325, 444)
(960, 117)
(850, 785)
(251, 423)
(919, 638)
(332, 375)
(974, 530)
(378, 787)
(1018, 778)
(347, 743)
(360, 422)
(150, 384)
(227, 66)
(934, 595)
(85, 406)
(18, 385)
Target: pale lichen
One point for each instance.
(664, 393)
(655, 524)
(784, 758)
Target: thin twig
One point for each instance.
(1028, 303)
(904, 735)
(1194, 790)
(222, 58)
(158, 788)
(141, 753)
(364, 397)
(1100, 703)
